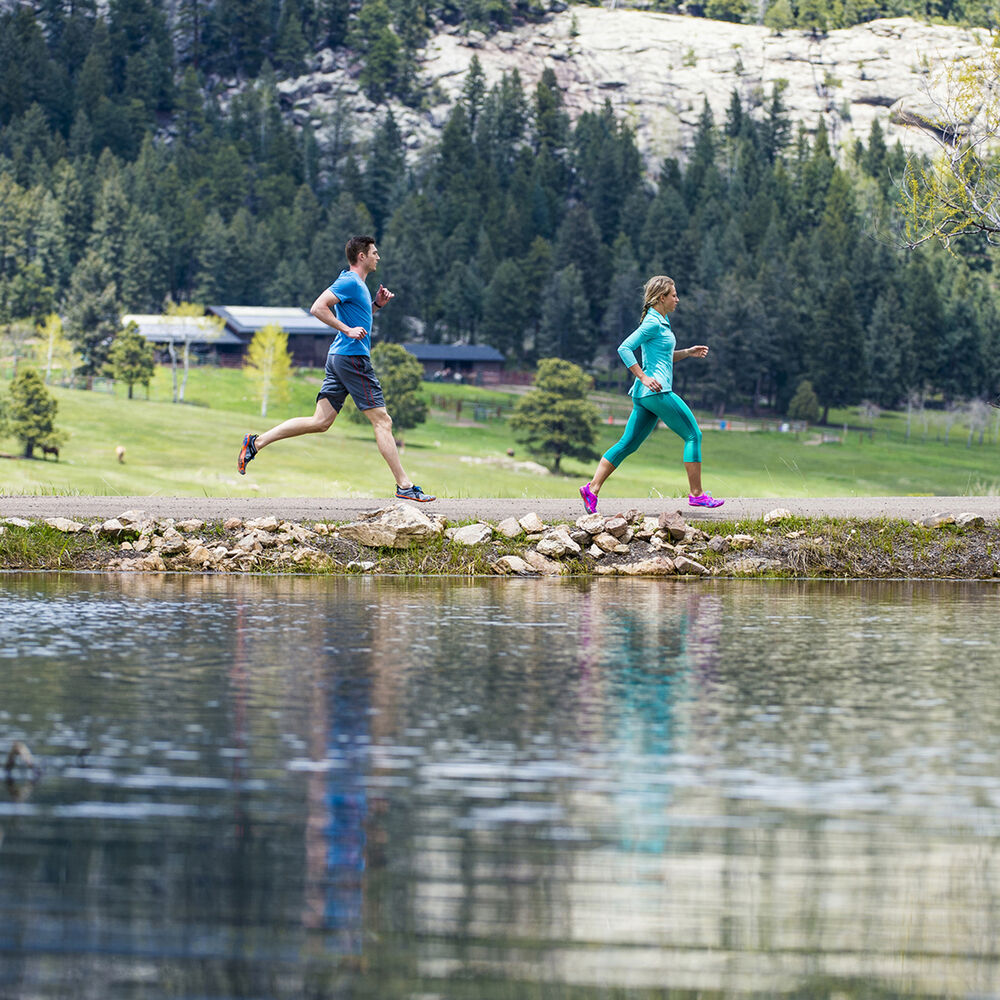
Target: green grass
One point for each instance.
(190, 450)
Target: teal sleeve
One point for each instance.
(626, 349)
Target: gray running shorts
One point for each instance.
(351, 374)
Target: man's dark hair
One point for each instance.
(356, 246)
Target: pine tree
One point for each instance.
(131, 358)
(291, 48)
(385, 172)
(92, 313)
(579, 242)
(507, 311)
(380, 50)
(556, 420)
(474, 91)
(31, 412)
(623, 295)
(565, 330)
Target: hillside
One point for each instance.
(657, 71)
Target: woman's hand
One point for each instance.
(651, 383)
(698, 351)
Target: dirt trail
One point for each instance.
(485, 508)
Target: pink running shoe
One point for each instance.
(705, 500)
(589, 498)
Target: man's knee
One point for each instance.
(324, 416)
(380, 418)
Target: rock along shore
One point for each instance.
(404, 539)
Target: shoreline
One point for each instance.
(402, 540)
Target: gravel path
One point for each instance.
(487, 508)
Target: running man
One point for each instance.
(652, 396)
(347, 307)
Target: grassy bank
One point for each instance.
(190, 450)
(814, 548)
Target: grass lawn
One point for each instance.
(190, 450)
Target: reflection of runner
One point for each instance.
(652, 398)
(347, 307)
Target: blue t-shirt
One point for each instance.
(353, 309)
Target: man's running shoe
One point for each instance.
(705, 500)
(247, 453)
(589, 498)
(413, 493)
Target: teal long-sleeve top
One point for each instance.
(657, 341)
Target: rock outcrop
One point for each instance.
(658, 70)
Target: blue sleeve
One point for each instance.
(626, 349)
(345, 287)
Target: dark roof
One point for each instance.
(247, 320)
(453, 352)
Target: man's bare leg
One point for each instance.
(382, 425)
(321, 420)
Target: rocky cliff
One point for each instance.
(657, 70)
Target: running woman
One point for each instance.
(346, 306)
(652, 396)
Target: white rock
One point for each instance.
(684, 565)
(17, 522)
(648, 528)
(172, 542)
(191, 524)
(64, 525)
(653, 566)
(515, 565)
(509, 527)
(397, 527)
(593, 524)
(935, 520)
(606, 542)
(531, 523)
(547, 567)
(616, 525)
(472, 534)
(269, 523)
(969, 520)
(557, 543)
(778, 514)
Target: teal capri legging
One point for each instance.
(646, 411)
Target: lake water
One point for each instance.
(471, 790)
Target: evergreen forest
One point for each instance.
(126, 183)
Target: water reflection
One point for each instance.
(417, 788)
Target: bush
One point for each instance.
(804, 404)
